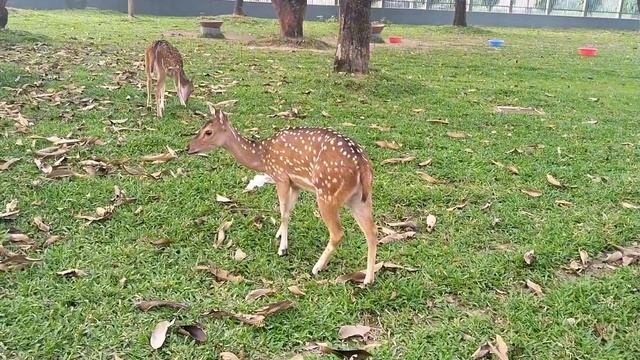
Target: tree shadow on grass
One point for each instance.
(17, 37)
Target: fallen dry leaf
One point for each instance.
(456, 134)
(431, 222)
(532, 192)
(614, 256)
(405, 224)
(72, 273)
(16, 262)
(458, 206)
(518, 110)
(150, 304)
(228, 356)
(219, 274)
(345, 354)
(161, 242)
(428, 178)
(159, 333)
(584, 257)
(295, 290)
(512, 169)
(358, 276)
(239, 255)
(529, 257)
(20, 238)
(274, 308)
(439, 121)
(223, 199)
(348, 331)
(426, 162)
(39, 223)
(52, 239)
(553, 181)
(224, 104)
(258, 293)
(482, 352)
(250, 319)
(398, 160)
(628, 205)
(564, 203)
(388, 144)
(500, 348)
(396, 237)
(534, 287)
(6, 164)
(161, 158)
(221, 233)
(380, 128)
(102, 213)
(194, 331)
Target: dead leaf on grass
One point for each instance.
(6, 164)
(428, 178)
(258, 293)
(553, 181)
(228, 356)
(358, 276)
(274, 308)
(628, 205)
(456, 134)
(194, 331)
(239, 255)
(72, 273)
(426, 162)
(529, 257)
(500, 348)
(250, 319)
(39, 223)
(584, 257)
(532, 192)
(295, 290)
(223, 199)
(16, 262)
(405, 224)
(518, 110)
(224, 104)
(221, 233)
(159, 333)
(52, 240)
(388, 144)
(161, 158)
(345, 354)
(348, 331)
(219, 274)
(431, 222)
(102, 213)
(379, 128)
(150, 304)
(20, 238)
(564, 203)
(439, 121)
(614, 256)
(534, 287)
(398, 160)
(161, 242)
(458, 206)
(45, 168)
(482, 352)
(396, 237)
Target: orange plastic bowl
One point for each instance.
(395, 39)
(586, 51)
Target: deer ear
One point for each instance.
(212, 109)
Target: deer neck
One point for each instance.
(247, 153)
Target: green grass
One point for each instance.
(471, 274)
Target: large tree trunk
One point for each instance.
(460, 15)
(291, 16)
(130, 9)
(352, 52)
(237, 10)
(4, 14)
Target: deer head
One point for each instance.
(185, 88)
(212, 135)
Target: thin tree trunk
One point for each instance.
(291, 16)
(130, 9)
(352, 52)
(4, 14)
(638, 6)
(237, 10)
(460, 15)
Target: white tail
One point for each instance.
(314, 159)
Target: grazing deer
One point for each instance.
(162, 58)
(319, 160)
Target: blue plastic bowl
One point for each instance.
(496, 43)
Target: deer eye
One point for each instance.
(208, 132)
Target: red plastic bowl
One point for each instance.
(585, 51)
(395, 39)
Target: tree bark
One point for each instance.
(130, 9)
(4, 14)
(237, 10)
(460, 15)
(291, 16)
(352, 52)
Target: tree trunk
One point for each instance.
(237, 10)
(130, 9)
(4, 14)
(460, 15)
(291, 16)
(352, 52)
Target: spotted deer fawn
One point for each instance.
(163, 59)
(318, 160)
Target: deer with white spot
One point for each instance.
(318, 160)
(163, 59)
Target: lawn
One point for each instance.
(78, 74)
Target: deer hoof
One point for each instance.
(367, 281)
(282, 252)
(316, 269)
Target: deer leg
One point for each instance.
(147, 69)
(288, 195)
(331, 217)
(363, 214)
(160, 85)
